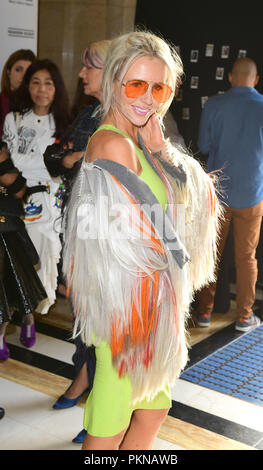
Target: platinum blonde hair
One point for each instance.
(125, 49)
(96, 53)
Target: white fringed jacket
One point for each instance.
(132, 268)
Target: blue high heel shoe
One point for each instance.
(64, 402)
(79, 439)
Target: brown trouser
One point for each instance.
(246, 231)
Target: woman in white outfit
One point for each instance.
(40, 118)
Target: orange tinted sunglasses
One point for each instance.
(136, 88)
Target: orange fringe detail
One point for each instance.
(211, 201)
(145, 222)
(69, 286)
(141, 331)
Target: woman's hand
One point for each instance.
(69, 160)
(11, 175)
(153, 138)
(152, 134)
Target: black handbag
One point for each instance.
(13, 223)
(28, 245)
(10, 223)
(11, 210)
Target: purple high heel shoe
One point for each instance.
(4, 353)
(28, 335)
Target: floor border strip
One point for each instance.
(211, 344)
(216, 424)
(178, 410)
(41, 361)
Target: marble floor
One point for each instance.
(31, 380)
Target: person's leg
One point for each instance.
(79, 384)
(84, 360)
(103, 443)
(205, 296)
(74, 392)
(28, 332)
(141, 433)
(28, 319)
(143, 429)
(247, 224)
(226, 264)
(4, 351)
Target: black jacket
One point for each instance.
(78, 133)
(9, 205)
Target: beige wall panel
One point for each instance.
(66, 27)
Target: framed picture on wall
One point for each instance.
(209, 50)
(194, 82)
(225, 52)
(186, 114)
(194, 55)
(219, 73)
(242, 53)
(179, 95)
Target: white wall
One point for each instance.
(18, 27)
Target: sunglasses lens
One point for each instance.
(135, 88)
(161, 92)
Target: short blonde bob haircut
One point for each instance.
(124, 50)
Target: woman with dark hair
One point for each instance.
(39, 117)
(12, 76)
(58, 107)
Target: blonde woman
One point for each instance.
(131, 274)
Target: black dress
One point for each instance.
(78, 133)
(20, 286)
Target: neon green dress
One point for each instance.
(108, 408)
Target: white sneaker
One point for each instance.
(247, 324)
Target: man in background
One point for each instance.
(231, 133)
